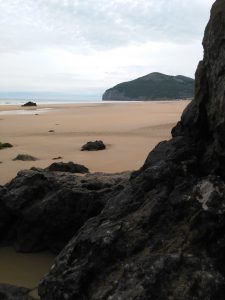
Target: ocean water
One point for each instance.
(19, 102)
(45, 101)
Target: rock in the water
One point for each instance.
(29, 103)
(10, 292)
(25, 157)
(93, 146)
(67, 167)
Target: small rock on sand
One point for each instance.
(59, 157)
(93, 146)
(5, 145)
(29, 103)
(25, 157)
(67, 167)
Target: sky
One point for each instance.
(78, 48)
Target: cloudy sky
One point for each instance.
(78, 48)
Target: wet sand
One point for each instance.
(129, 130)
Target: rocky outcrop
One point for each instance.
(93, 146)
(160, 232)
(154, 86)
(204, 119)
(162, 235)
(115, 94)
(29, 103)
(43, 209)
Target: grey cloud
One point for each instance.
(100, 24)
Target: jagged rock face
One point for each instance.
(162, 237)
(214, 67)
(204, 119)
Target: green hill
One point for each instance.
(154, 86)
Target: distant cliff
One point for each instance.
(154, 86)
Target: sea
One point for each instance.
(37, 110)
(47, 101)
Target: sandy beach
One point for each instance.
(129, 130)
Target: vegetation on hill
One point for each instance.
(154, 86)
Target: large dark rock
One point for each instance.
(162, 237)
(43, 210)
(93, 146)
(204, 119)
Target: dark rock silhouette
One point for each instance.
(157, 234)
(93, 146)
(203, 120)
(5, 145)
(67, 167)
(29, 103)
(59, 157)
(25, 157)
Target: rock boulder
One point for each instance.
(43, 210)
(93, 146)
(25, 157)
(67, 167)
(29, 103)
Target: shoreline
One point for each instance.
(49, 104)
